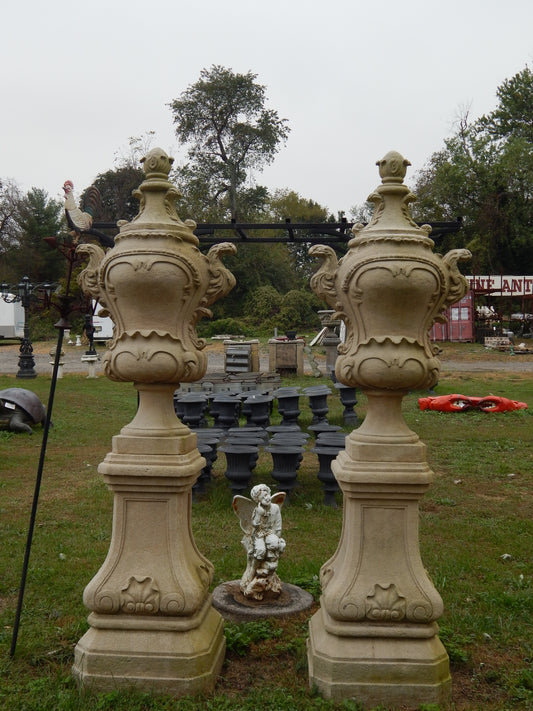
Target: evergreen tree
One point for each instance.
(37, 217)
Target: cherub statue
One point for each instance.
(260, 519)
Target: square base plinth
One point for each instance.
(392, 671)
(161, 661)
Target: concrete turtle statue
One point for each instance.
(19, 409)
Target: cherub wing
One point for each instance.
(244, 509)
(279, 498)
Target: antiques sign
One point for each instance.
(502, 285)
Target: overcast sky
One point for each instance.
(354, 79)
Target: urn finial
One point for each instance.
(393, 167)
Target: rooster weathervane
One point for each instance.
(81, 219)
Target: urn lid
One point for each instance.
(157, 197)
(391, 218)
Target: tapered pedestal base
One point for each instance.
(160, 655)
(396, 671)
(375, 636)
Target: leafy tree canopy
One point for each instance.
(116, 187)
(197, 202)
(484, 174)
(286, 203)
(265, 272)
(513, 117)
(223, 120)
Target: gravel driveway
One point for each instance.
(487, 362)
(513, 365)
(72, 362)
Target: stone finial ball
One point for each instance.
(393, 167)
(157, 161)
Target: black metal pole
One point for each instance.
(89, 332)
(36, 491)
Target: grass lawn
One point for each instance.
(476, 536)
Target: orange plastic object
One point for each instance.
(460, 403)
(492, 403)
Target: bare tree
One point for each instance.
(10, 197)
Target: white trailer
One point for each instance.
(11, 319)
(103, 325)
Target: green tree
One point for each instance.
(116, 188)
(37, 217)
(197, 202)
(255, 265)
(223, 120)
(263, 304)
(298, 309)
(262, 269)
(513, 117)
(484, 174)
(285, 204)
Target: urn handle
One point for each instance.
(221, 280)
(88, 279)
(457, 285)
(323, 280)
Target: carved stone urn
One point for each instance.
(152, 624)
(375, 636)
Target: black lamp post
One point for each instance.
(24, 292)
(26, 361)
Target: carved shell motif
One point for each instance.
(385, 604)
(140, 597)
